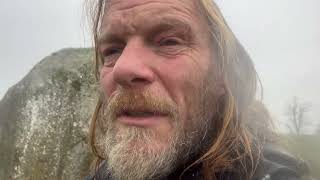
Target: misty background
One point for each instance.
(282, 37)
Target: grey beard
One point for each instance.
(140, 154)
(137, 153)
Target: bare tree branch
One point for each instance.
(296, 111)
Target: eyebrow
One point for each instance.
(107, 37)
(174, 25)
(113, 34)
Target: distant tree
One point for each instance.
(296, 111)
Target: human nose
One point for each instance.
(132, 68)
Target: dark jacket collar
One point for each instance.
(275, 164)
(191, 174)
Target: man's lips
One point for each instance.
(141, 118)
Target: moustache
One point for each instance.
(124, 102)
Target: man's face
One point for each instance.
(159, 81)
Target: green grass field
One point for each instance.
(306, 147)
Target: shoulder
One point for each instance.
(277, 164)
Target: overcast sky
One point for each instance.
(282, 37)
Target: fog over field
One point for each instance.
(282, 37)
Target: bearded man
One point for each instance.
(178, 97)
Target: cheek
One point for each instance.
(182, 79)
(106, 81)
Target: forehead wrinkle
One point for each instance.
(125, 19)
(120, 5)
(129, 4)
(130, 8)
(115, 27)
(138, 13)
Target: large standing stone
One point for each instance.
(44, 119)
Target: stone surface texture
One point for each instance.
(44, 119)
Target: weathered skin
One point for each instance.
(169, 54)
